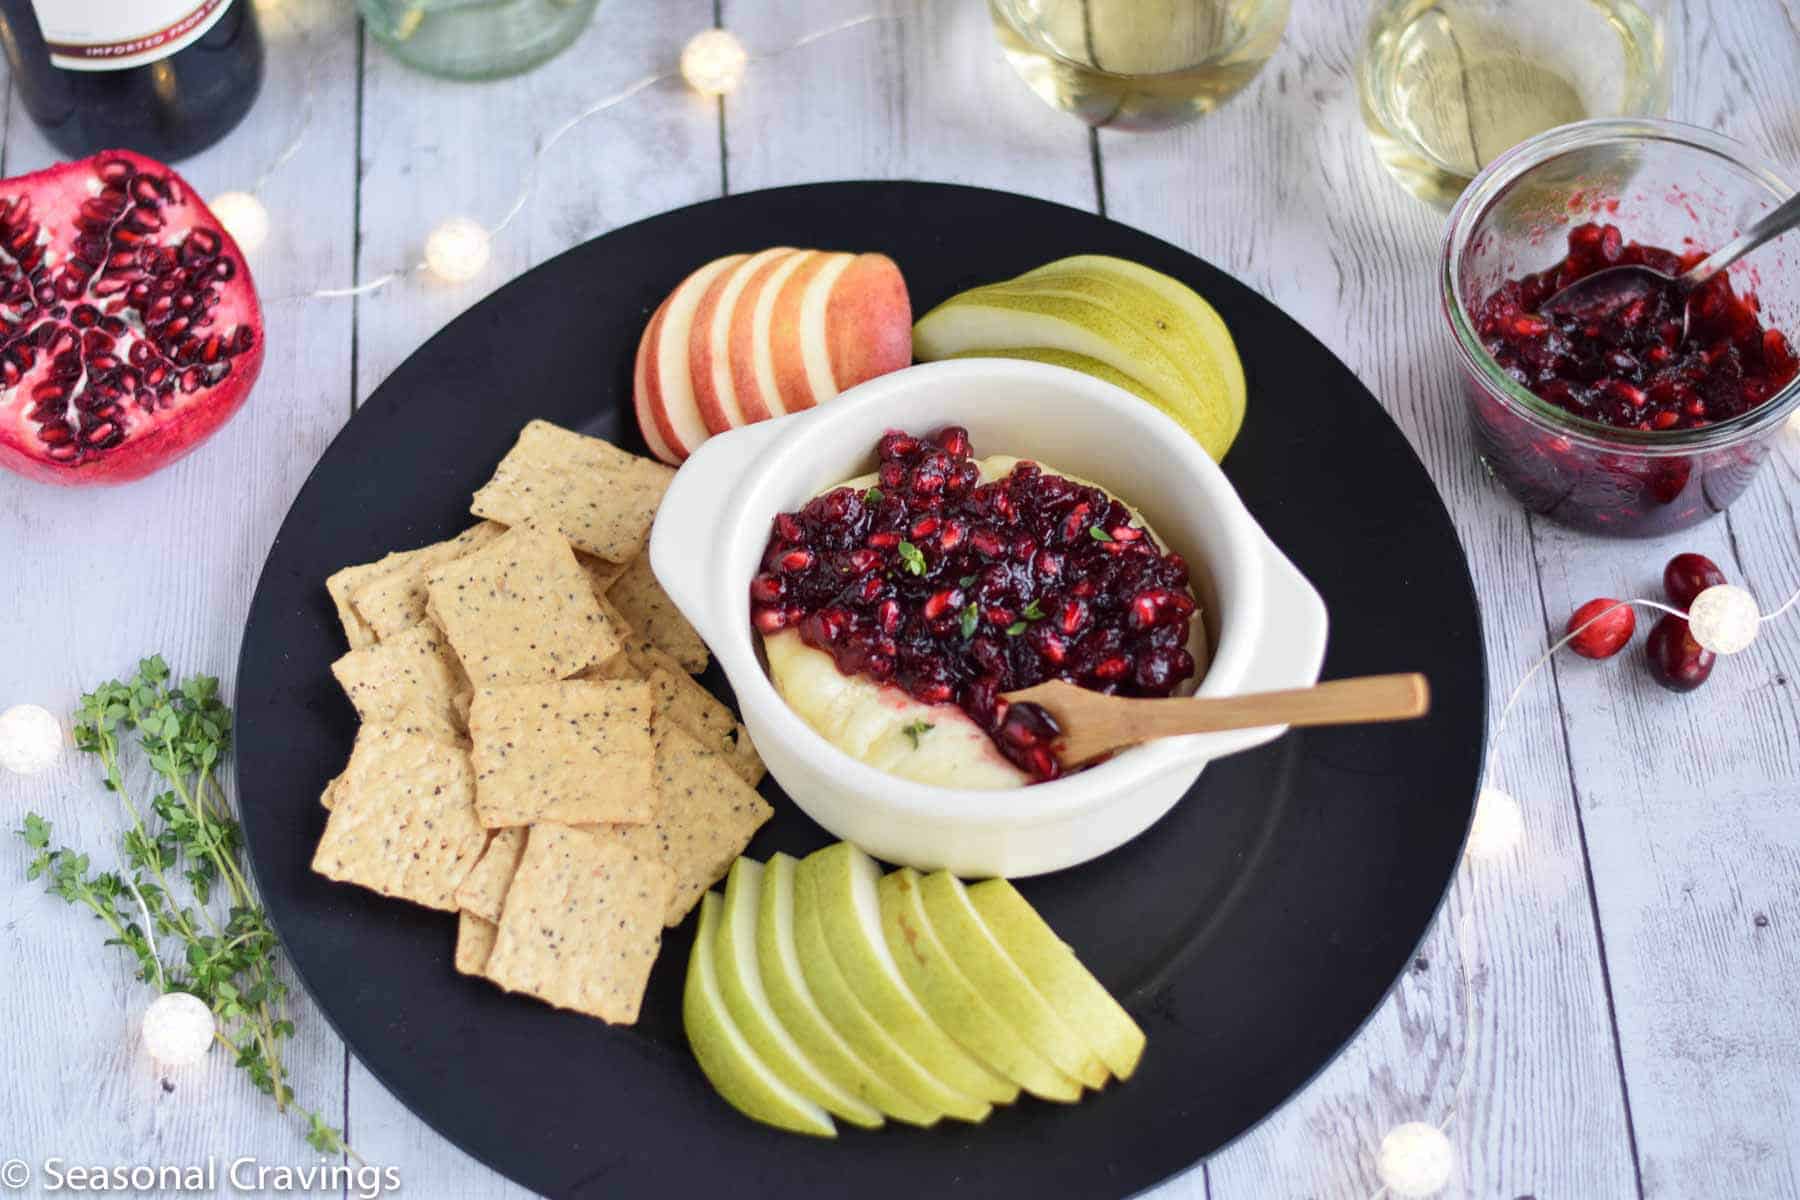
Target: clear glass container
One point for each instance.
(1447, 85)
(1137, 64)
(476, 39)
(1663, 184)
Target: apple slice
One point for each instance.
(846, 882)
(709, 360)
(1085, 1005)
(726, 1057)
(953, 1002)
(740, 982)
(668, 378)
(640, 390)
(751, 347)
(778, 964)
(797, 345)
(997, 977)
(873, 1043)
(867, 322)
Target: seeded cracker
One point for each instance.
(573, 752)
(394, 601)
(684, 703)
(484, 890)
(403, 820)
(520, 611)
(328, 797)
(642, 601)
(410, 680)
(705, 817)
(601, 574)
(474, 943)
(344, 584)
(602, 498)
(582, 925)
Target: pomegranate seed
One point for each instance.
(1073, 616)
(1112, 668)
(953, 440)
(952, 535)
(883, 541)
(987, 543)
(766, 588)
(896, 445)
(888, 616)
(924, 527)
(1075, 523)
(795, 560)
(1047, 564)
(864, 561)
(1125, 533)
(941, 602)
(1609, 625)
(892, 476)
(788, 529)
(1687, 575)
(769, 620)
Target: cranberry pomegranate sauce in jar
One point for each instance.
(1622, 424)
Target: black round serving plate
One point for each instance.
(1251, 932)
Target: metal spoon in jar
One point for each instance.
(1608, 291)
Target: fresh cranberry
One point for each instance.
(958, 590)
(1687, 575)
(1630, 366)
(1677, 661)
(1608, 626)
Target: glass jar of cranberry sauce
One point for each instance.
(1623, 426)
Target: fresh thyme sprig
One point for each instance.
(228, 961)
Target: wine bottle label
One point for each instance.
(111, 35)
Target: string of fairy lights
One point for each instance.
(1414, 1159)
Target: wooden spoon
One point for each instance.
(1093, 724)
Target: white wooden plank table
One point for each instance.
(1614, 1013)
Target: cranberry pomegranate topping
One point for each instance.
(1631, 367)
(958, 591)
(129, 327)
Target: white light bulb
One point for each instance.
(178, 1029)
(243, 217)
(713, 62)
(1415, 1160)
(1497, 827)
(1724, 618)
(457, 250)
(31, 739)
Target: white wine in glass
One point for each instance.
(1448, 85)
(1138, 64)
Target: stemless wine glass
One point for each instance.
(1449, 85)
(1138, 64)
(476, 39)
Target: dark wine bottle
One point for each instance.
(166, 78)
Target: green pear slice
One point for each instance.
(734, 1069)
(846, 883)
(1203, 320)
(953, 1001)
(993, 973)
(988, 319)
(1214, 375)
(1073, 362)
(1053, 969)
(784, 981)
(740, 982)
(872, 1043)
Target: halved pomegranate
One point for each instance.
(129, 327)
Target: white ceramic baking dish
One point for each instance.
(1266, 623)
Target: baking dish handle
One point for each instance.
(691, 529)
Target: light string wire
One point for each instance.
(1465, 926)
(550, 141)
